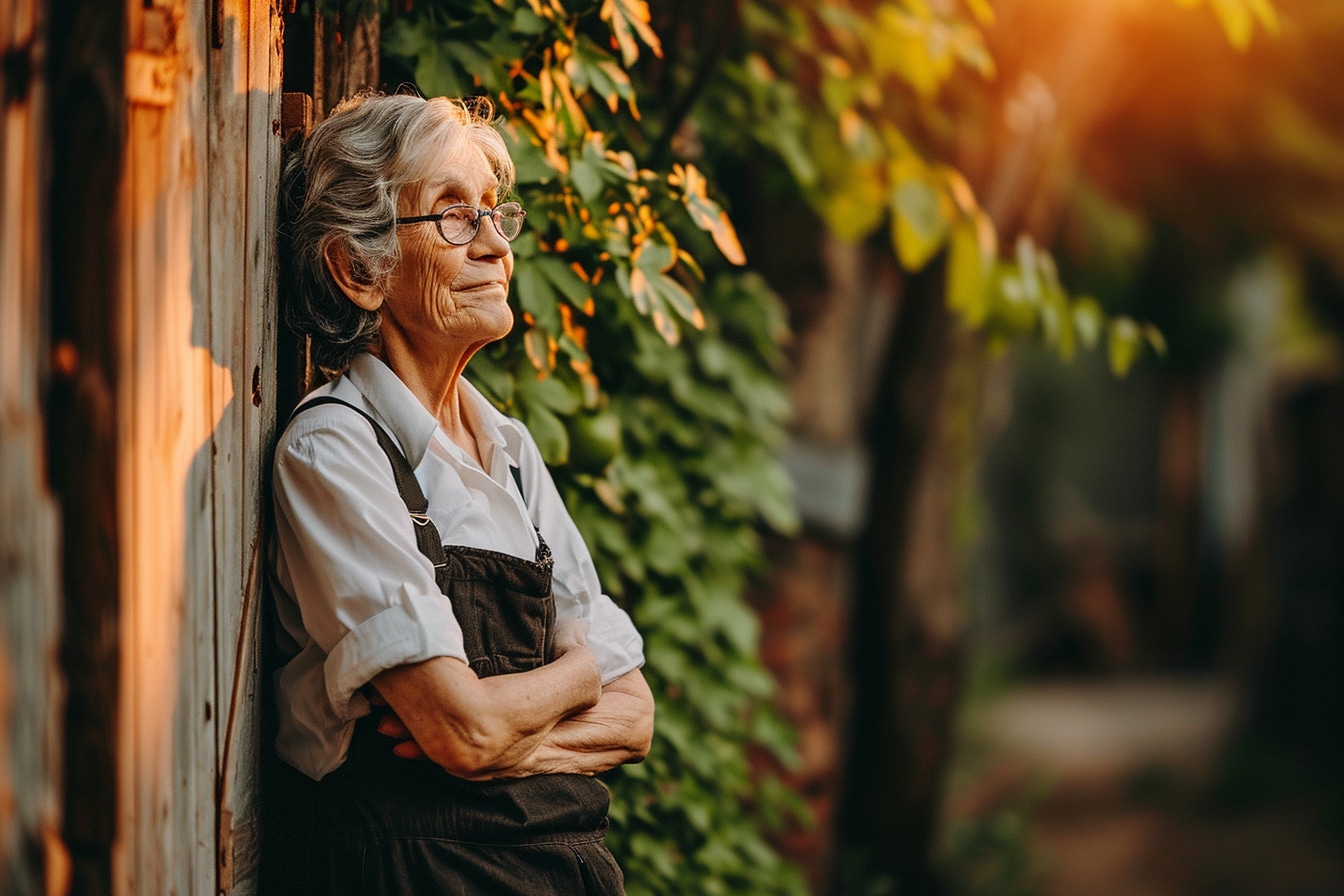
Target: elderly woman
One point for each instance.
(440, 602)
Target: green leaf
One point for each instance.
(628, 18)
(563, 278)
(1088, 319)
(967, 274)
(525, 21)
(405, 38)
(547, 431)
(535, 293)
(529, 160)
(1125, 341)
(1155, 339)
(921, 221)
(654, 256)
(586, 179)
(551, 393)
(676, 296)
(494, 380)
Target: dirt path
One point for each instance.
(1126, 767)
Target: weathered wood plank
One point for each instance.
(346, 55)
(244, 152)
(29, 584)
(168, 410)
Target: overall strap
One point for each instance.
(518, 481)
(417, 505)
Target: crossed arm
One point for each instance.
(553, 719)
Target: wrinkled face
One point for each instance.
(439, 291)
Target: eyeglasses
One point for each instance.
(459, 224)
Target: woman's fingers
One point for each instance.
(391, 726)
(409, 749)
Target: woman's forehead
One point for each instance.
(458, 168)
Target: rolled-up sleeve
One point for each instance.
(366, 595)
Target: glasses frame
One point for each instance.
(492, 213)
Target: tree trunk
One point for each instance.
(907, 618)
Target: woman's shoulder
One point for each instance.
(328, 419)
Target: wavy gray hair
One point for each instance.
(343, 186)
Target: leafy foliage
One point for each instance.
(846, 95)
(648, 367)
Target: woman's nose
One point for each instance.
(489, 241)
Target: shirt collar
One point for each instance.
(411, 424)
(501, 430)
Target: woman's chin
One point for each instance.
(484, 309)
(496, 323)
(505, 317)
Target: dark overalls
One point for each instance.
(383, 825)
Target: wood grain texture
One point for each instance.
(345, 57)
(164, 771)
(244, 158)
(198, 408)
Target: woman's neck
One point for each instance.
(433, 378)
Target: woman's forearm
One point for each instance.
(617, 730)
(475, 727)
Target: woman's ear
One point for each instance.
(364, 295)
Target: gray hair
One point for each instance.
(344, 186)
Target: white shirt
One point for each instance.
(356, 595)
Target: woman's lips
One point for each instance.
(482, 286)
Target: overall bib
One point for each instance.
(386, 826)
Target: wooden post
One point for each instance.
(345, 55)
(87, 55)
(169, 387)
(30, 687)
(244, 111)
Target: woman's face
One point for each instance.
(440, 292)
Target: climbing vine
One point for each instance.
(647, 363)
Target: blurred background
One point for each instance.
(1129, 666)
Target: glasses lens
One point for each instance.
(510, 216)
(458, 224)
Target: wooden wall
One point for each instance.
(196, 415)
(137, 361)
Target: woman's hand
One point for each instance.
(573, 662)
(619, 729)
(391, 725)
